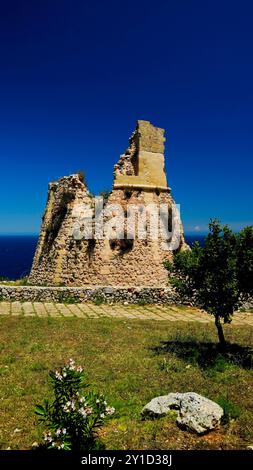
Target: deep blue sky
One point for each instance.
(76, 75)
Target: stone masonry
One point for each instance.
(64, 259)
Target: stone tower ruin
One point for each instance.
(69, 250)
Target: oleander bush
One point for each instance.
(72, 417)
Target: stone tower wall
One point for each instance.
(139, 179)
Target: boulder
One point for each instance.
(198, 414)
(160, 406)
(195, 413)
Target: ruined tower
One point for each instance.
(66, 255)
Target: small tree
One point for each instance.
(219, 275)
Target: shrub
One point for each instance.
(24, 281)
(98, 299)
(72, 417)
(218, 275)
(142, 302)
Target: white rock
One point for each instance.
(198, 414)
(160, 406)
(195, 413)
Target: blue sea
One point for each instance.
(17, 251)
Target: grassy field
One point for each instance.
(130, 361)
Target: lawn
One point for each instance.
(130, 361)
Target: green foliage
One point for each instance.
(64, 298)
(168, 265)
(24, 281)
(185, 270)
(71, 418)
(98, 299)
(231, 411)
(141, 302)
(221, 364)
(218, 275)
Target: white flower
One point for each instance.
(70, 365)
(102, 415)
(97, 401)
(58, 432)
(64, 431)
(47, 437)
(110, 410)
(83, 412)
(58, 375)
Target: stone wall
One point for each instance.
(129, 295)
(84, 294)
(139, 179)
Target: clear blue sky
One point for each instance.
(76, 75)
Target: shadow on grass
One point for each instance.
(208, 355)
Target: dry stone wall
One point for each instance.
(129, 295)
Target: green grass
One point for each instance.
(130, 361)
(19, 282)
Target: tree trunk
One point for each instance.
(220, 332)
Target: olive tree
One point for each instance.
(218, 275)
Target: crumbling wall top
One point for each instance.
(149, 137)
(142, 164)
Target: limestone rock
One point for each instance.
(198, 414)
(160, 406)
(195, 413)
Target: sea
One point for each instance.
(17, 251)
